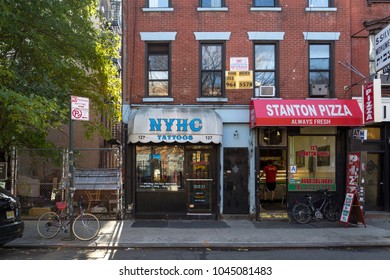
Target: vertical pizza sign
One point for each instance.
(353, 171)
(79, 108)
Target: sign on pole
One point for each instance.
(382, 48)
(372, 105)
(79, 108)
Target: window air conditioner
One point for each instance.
(319, 90)
(265, 91)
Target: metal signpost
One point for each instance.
(79, 111)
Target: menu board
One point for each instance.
(352, 206)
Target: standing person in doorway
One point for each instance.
(270, 178)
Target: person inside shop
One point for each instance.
(270, 171)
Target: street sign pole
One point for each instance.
(78, 110)
(70, 190)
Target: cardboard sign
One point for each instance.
(352, 206)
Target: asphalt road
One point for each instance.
(166, 254)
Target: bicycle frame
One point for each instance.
(317, 212)
(83, 226)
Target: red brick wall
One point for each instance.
(293, 50)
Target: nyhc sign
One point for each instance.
(184, 125)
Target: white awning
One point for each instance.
(175, 124)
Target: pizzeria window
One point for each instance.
(312, 161)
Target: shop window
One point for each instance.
(312, 161)
(273, 137)
(158, 69)
(159, 168)
(212, 72)
(373, 133)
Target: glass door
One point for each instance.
(373, 183)
(199, 179)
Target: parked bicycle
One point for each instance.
(85, 226)
(305, 211)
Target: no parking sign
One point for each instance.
(79, 108)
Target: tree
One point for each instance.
(50, 50)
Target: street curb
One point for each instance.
(168, 246)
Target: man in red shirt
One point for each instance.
(270, 178)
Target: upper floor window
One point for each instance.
(265, 70)
(319, 3)
(320, 70)
(158, 3)
(264, 3)
(158, 69)
(211, 3)
(212, 70)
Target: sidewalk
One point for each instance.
(228, 234)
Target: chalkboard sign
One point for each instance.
(3, 171)
(352, 206)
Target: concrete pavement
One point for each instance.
(228, 234)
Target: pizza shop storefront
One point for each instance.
(307, 141)
(173, 155)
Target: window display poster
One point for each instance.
(199, 196)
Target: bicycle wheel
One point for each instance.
(301, 213)
(86, 226)
(48, 225)
(332, 212)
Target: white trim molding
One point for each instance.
(266, 9)
(221, 9)
(157, 9)
(316, 9)
(158, 36)
(158, 99)
(321, 36)
(266, 36)
(204, 36)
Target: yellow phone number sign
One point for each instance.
(239, 80)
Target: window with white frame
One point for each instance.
(319, 3)
(212, 70)
(265, 69)
(158, 3)
(264, 3)
(211, 3)
(158, 69)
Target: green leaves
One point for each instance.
(49, 50)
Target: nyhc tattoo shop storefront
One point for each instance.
(173, 159)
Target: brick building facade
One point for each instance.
(213, 90)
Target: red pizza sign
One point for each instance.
(372, 107)
(305, 113)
